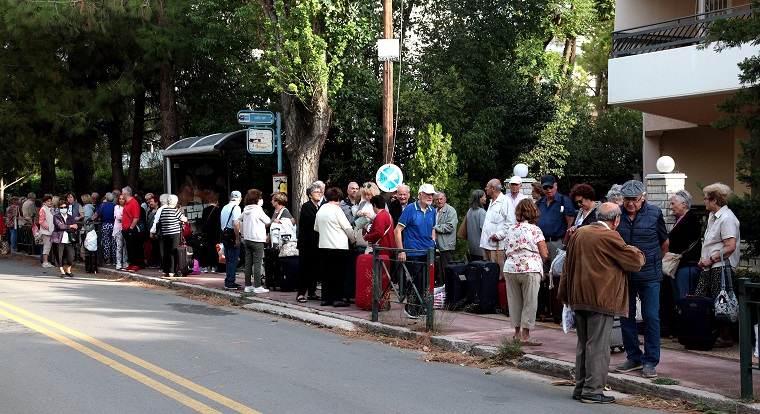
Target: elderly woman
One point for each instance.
(212, 234)
(88, 209)
(282, 221)
(475, 218)
(720, 248)
(170, 220)
(308, 245)
(526, 252)
(335, 238)
(685, 239)
(75, 209)
(381, 232)
(64, 236)
(615, 195)
(105, 214)
(536, 191)
(583, 197)
(11, 221)
(364, 214)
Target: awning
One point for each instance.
(214, 144)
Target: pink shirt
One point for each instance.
(521, 244)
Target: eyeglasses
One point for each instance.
(63, 207)
(631, 199)
(707, 199)
(316, 191)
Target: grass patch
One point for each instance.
(665, 381)
(508, 351)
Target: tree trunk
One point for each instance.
(83, 167)
(114, 147)
(168, 110)
(138, 133)
(48, 180)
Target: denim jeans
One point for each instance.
(684, 282)
(232, 254)
(649, 293)
(14, 243)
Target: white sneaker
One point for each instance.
(249, 289)
(204, 270)
(260, 290)
(46, 264)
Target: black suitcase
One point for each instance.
(349, 277)
(271, 267)
(696, 323)
(90, 261)
(289, 273)
(668, 312)
(483, 286)
(455, 279)
(184, 260)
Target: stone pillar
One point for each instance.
(659, 188)
(527, 186)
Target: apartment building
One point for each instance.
(659, 68)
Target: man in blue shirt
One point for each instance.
(557, 214)
(415, 230)
(229, 220)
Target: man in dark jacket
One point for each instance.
(594, 284)
(643, 226)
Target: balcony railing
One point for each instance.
(670, 34)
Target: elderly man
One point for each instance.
(514, 196)
(594, 284)
(133, 238)
(642, 226)
(445, 229)
(28, 210)
(495, 226)
(350, 201)
(229, 220)
(557, 214)
(416, 230)
(398, 205)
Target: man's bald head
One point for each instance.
(608, 212)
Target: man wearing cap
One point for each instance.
(514, 196)
(446, 221)
(556, 215)
(495, 225)
(415, 230)
(229, 219)
(643, 226)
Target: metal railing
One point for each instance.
(749, 305)
(403, 285)
(25, 240)
(673, 33)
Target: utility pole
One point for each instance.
(388, 138)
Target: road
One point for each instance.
(88, 345)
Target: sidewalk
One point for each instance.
(707, 376)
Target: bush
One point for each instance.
(747, 210)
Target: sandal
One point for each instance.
(531, 341)
(301, 299)
(313, 297)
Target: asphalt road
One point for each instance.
(88, 345)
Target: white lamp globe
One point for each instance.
(520, 170)
(665, 164)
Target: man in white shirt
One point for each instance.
(513, 197)
(495, 225)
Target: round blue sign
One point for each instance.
(389, 177)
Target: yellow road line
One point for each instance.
(184, 399)
(221, 399)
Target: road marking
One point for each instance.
(221, 399)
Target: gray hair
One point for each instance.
(615, 194)
(496, 185)
(31, 195)
(164, 199)
(127, 190)
(310, 189)
(320, 184)
(682, 196)
(110, 197)
(608, 212)
(440, 193)
(400, 186)
(172, 200)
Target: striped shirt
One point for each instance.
(170, 221)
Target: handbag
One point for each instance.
(38, 240)
(670, 261)
(228, 233)
(726, 303)
(289, 249)
(462, 232)
(370, 248)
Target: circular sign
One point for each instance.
(389, 177)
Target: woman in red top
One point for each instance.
(381, 231)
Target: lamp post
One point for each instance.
(388, 52)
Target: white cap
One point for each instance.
(516, 179)
(427, 189)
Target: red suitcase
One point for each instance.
(363, 299)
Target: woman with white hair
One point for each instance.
(105, 213)
(684, 239)
(170, 220)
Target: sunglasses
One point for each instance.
(578, 201)
(547, 187)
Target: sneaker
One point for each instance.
(628, 366)
(597, 399)
(234, 287)
(46, 264)
(249, 289)
(204, 270)
(648, 371)
(411, 314)
(260, 290)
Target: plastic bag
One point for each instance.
(91, 241)
(220, 251)
(568, 318)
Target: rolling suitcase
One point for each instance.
(363, 298)
(483, 286)
(289, 273)
(184, 260)
(503, 305)
(271, 268)
(90, 261)
(696, 323)
(616, 335)
(455, 279)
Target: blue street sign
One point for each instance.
(260, 140)
(255, 117)
(389, 177)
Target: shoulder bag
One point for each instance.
(370, 248)
(726, 303)
(228, 233)
(670, 261)
(462, 232)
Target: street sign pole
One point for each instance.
(279, 146)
